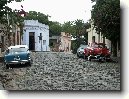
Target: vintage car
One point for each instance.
(80, 51)
(18, 54)
(99, 52)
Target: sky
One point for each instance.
(59, 10)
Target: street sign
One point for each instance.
(40, 37)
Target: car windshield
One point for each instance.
(97, 46)
(83, 46)
(13, 50)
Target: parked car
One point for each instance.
(18, 54)
(80, 50)
(99, 51)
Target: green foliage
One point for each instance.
(106, 18)
(74, 47)
(4, 8)
(55, 28)
(33, 15)
(79, 25)
(80, 29)
(68, 27)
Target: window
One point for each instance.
(44, 42)
(93, 38)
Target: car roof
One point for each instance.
(21, 46)
(18, 46)
(83, 46)
(12, 47)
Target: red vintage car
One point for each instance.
(99, 51)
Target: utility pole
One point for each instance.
(40, 38)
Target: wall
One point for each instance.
(37, 28)
(98, 37)
(65, 42)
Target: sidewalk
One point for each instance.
(116, 59)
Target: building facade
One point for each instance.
(93, 36)
(65, 42)
(36, 35)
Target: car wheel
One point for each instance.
(100, 60)
(85, 57)
(28, 63)
(108, 60)
(7, 66)
(78, 55)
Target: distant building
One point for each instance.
(36, 35)
(54, 43)
(65, 42)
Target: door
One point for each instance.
(31, 40)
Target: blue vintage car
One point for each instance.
(18, 54)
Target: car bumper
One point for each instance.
(18, 62)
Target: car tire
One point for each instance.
(85, 57)
(28, 63)
(100, 60)
(78, 55)
(7, 66)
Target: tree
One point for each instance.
(8, 16)
(68, 27)
(55, 28)
(106, 18)
(4, 9)
(78, 28)
(42, 18)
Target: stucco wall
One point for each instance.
(98, 38)
(65, 42)
(37, 28)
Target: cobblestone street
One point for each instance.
(61, 71)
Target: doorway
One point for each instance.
(31, 40)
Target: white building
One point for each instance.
(32, 32)
(98, 38)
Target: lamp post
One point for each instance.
(40, 39)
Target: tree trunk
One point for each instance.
(114, 48)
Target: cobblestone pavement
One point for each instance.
(61, 71)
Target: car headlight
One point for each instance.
(28, 55)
